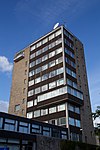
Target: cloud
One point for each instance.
(5, 65)
(48, 12)
(4, 106)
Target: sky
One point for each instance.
(24, 21)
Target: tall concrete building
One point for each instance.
(50, 84)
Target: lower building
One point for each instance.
(18, 133)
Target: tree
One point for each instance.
(96, 114)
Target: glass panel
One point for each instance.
(31, 73)
(44, 67)
(37, 80)
(44, 77)
(17, 107)
(71, 107)
(33, 47)
(44, 87)
(9, 127)
(30, 115)
(38, 61)
(44, 112)
(37, 113)
(61, 107)
(46, 133)
(44, 57)
(77, 123)
(30, 93)
(37, 90)
(59, 50)
(52, 85)
(30, 103)
(52, 63)
(52, 110)
(1, 121)
(71, 121)
(23, 129)
(32, 56)
(31, 82)
(60, 82)
(9, 121)
(77, 110)
(51, 54)
(62, 121)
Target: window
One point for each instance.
(62, 121)
(61, 107)
(44, 112)
(58, 32)
(39, 44)
(1, 121)
(44, 67)
(36, 113)
(59, 60)
(77, 110)
(77, 122)
(51, 45)
(37, 80)
(23, 127)
(30, 93)
(38, 70)
(45, 57)
(51, 37)
(52, 110)
(71, 83)
(38, 52)
(52, 74)
(35, 102)
(58, 41)
(37, 90)
(9, 124)
(17, 107)
(71, 107)
(45, 40)
(60, 82)
(33, 47)
(52, 63)
(30, 115)
(36, 128)
(75, 93)
(51, 54)
(44, 87)
(31, 82)
(31, 73)
(71, 121)
(32, 55)
(44, 77)
(52, 94)
(32, 64)
(38, 61)
(52, 85)
(69, 53)
(59, 50)
(45, 49)
(59, 71)
(70, 72)
(30, 104)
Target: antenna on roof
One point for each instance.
(56, 25)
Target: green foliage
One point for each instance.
(96, 114)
